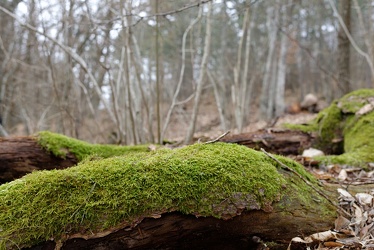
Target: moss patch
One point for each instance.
(59, 145)
(217, 180)
(340, 120)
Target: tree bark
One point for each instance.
(276, 141)
(22, 155)
(290, 215)
(344, 47)
(178, 231)
(200, 82)
(266, 97)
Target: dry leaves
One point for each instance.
(355, 232)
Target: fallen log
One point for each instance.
(22, 155)
(199, 196)
(179, 231)
(273, 140)
(345, 129)
(46, 151)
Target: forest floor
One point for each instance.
(354, 229)
(354, 226)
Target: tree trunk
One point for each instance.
(344, 47)
(200, 82)
(265, 98)
(282, 64)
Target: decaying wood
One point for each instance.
(288, 218)
(22, 155)
(273, 140)
(178, 231)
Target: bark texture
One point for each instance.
(178, 231)
(22, 155)
(276, 141)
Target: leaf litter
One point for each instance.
(353, 229)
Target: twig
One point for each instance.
(306, 181)
(218, 138)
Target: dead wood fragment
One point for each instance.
(178, 231)
(22, 155)
(276, 141)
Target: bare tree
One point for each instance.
(266, 95)
(200, 82)
(352, 41)
(344, 47)
(282, 64)
(181, 74)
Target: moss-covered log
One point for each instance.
(198, 195)
(46, 150)
(346, 129)
(22, 155)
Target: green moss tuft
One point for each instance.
(60, 145)
(340, 121)
(201, 179)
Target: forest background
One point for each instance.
(137, 71)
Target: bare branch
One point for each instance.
(70, 52)
(200, 82)
(218, 138)
(181, 75)
(353, 42)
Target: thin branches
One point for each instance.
(218, 138)
(352, 41)
(181, 74)
(200, 82)
(70, 52)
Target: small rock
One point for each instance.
(312, 152)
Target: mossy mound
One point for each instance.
(217, 180)
(59, 145)
(351, 119)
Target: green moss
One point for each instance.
(201, 179)
(327, 126)
(340, 121)
(353, 101)
(60, 145)
(358, 142)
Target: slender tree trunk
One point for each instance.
(244, 83)
(236, 88)
(199, 88)
(282, 66)
(218, 98)
(138, 70)
(344, 47)
(344, 27)
(272, 16)
(366, 37)
(281, 78)
(181, 74)
(221, 87)
(158, 114)
(129, 91)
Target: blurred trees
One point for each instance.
(123, 71)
